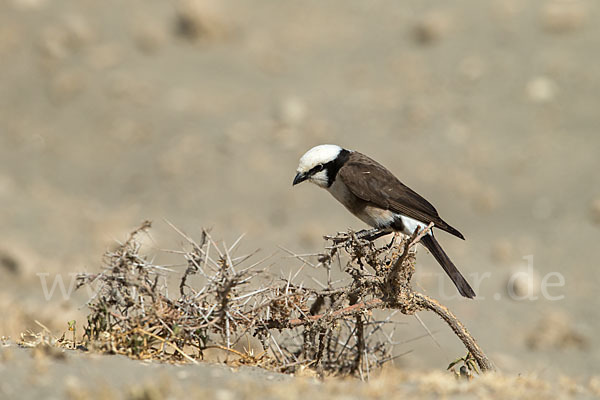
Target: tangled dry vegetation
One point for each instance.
(331, 330)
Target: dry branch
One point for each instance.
(331, 329)
(427, 303)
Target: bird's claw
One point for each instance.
(372, 234)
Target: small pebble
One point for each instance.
(224, 394)
(556, 331)
(78, 31)
(541, 89)
(291, 111)
(198, 19)
(523, 283)
(432, 27)
(561, 16)
(28, 4)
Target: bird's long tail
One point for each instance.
(459, 281)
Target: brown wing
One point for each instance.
(372, 182)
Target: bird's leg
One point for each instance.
(389, 246)
(365, 232)
(372, 234)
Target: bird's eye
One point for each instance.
(319, 167)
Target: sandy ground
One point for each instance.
(57, 374)
(197, 111)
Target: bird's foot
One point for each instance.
(391, 243)
(372, 234)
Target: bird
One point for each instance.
(374, 195)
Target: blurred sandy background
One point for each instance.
(194, 111)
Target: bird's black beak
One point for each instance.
(300, 177)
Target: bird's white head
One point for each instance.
(315, 164)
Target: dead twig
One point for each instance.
(330, 329)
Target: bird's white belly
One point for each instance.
(380, 218)
(410, 225)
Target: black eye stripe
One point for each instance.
(316, 168)
(332, 167)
